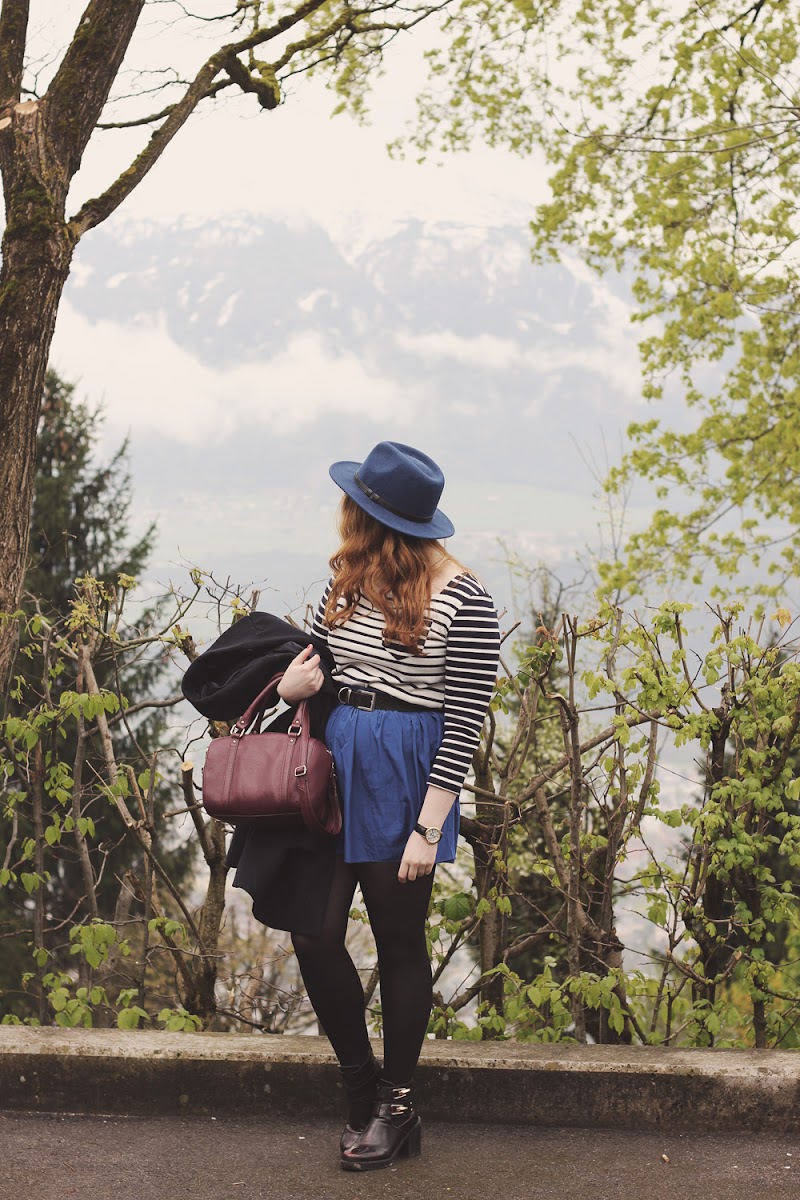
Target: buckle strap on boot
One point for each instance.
(399, 1104)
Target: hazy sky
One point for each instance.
(234, 163)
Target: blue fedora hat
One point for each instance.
(398, 486)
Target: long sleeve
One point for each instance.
(472, 656)
(318, 626)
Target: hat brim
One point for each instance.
(343, 475)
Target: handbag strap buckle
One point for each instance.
(295, 729)
(237, 731)
(299, 772)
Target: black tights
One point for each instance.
(397, 914)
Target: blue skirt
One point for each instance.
(383, 759)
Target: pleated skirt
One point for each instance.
(383, 759)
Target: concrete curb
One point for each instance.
(108, 1071)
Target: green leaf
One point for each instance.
(58, 999)
(458, 907)
(616, 1019)
(129, 1018)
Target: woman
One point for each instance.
(415, 643)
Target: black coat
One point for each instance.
(287, 873)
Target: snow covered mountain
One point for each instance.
(244, 356)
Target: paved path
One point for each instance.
(174, 1158)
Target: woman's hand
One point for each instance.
(302, 678)
(419, 858)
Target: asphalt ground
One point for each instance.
(44, 1157)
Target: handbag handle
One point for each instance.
(256, 707)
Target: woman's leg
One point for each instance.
(397, 913)
(330, 976)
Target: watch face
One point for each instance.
(433, 836)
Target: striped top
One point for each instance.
(455, 673)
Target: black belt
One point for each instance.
(368, 699)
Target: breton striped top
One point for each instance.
(455, 673)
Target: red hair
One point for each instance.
(391, 570)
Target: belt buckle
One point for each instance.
(353, 702)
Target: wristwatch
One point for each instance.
(431, 835)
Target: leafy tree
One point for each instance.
(723, 970)
(671, 132)
(535, 903)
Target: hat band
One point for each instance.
(398, 512)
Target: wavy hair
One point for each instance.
(391, 570)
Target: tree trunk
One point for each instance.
(493, 929)
(203, 1002)
(493, 933)
(36, 251)
(37, 797)
(760, 1024)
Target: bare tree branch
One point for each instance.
(96, 210)
(159, 116)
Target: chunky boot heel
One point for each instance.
(361, 1085)
(394, 1130)
(413, 1145)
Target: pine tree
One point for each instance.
(80, 526)
(81, 511)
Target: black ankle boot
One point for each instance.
(361, 1085)
(394, 1129)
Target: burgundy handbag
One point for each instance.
(278, 780)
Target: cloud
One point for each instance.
(487, 351)
(149, 382)
(614, 360)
